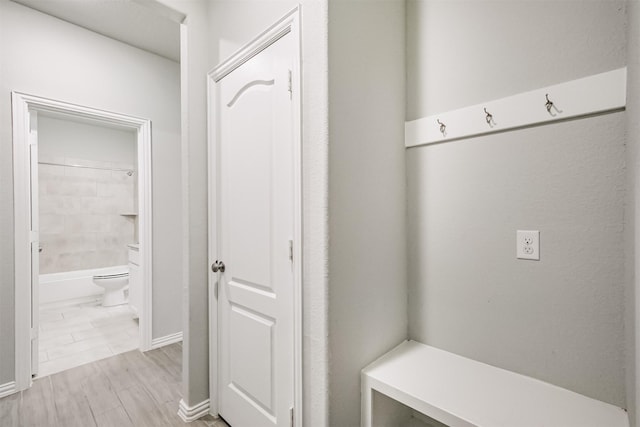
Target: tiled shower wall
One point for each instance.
(82, 225)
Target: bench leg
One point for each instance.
(367, 405)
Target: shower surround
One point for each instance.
(86, 213)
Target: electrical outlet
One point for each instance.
(528, 244)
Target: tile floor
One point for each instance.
(74, 335)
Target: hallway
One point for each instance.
(130, 389)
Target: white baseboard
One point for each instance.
(166, 340)
(10, 388)
(189, 414)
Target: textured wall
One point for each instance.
(465, 52)
(560, 319)
(632, 231)
(367, 194)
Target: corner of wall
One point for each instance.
(632, 233)
(367, 210)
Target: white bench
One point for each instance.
(461, 392)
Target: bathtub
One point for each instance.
(72, 285)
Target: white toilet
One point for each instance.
(114, 283)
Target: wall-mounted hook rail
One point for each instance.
(583, 97)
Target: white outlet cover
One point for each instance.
(528, 244)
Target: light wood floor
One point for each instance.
(128, 390)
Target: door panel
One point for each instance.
(251, 351)
(255, 133)
(35, 244)
(248, 187)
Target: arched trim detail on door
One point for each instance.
(248, 86)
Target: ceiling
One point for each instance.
(144, 24)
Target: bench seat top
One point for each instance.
(462, 392)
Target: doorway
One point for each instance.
(255, 231)
(27, 110)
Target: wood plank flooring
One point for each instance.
(128, 390)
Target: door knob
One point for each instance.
(217, 266)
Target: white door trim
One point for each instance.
(22, 104)
(290, 23)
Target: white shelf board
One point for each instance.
(462, 392)
(577, 98)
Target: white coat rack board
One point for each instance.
(587, 96)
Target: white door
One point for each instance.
(35, 241)
(255, 207)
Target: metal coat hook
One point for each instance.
(489, 117)
(548, 104)
(443, 127)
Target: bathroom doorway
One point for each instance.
(82, 183)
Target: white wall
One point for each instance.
(194, 64)
(47, 57)
(367, 214)
(560, 319)
(60, 137)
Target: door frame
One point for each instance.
(22, 105)
(289, 23)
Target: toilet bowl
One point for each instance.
(114, 284)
